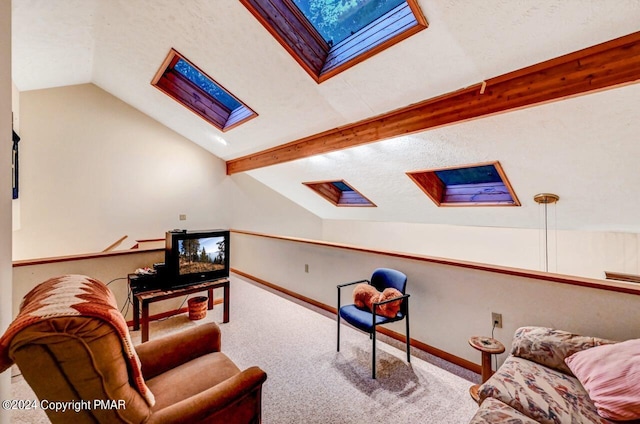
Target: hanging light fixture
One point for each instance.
(545, 199)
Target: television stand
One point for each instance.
(147, 297)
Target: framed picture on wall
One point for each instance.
(14, 164)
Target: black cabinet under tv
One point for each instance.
(139, 283)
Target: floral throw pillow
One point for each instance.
(549, 346)
(611, 374)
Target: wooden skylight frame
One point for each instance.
(320, 60)
(192, 96)
(474, 194)
(342, 198)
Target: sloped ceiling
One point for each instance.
(584, 149)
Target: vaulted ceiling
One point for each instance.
(584, 149)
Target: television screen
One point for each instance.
(200, 255)
(194, 256)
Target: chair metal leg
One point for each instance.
(408, 337)
(373, 350)
(338, 319)
(373, 355)
(338, 349)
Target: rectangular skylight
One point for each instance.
(338, 20)
(188, 85)
(470, 185)
(327, 37)
(206, 84)
(472, 175)
(339, 193)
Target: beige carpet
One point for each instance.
(308, 381)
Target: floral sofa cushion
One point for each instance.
(543, 394)
(550, 347)
(495, 412)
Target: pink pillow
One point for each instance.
(611, 376)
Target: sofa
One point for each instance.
(556, 377)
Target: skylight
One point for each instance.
(339, 193)
(329, 36)
(472, 185)
(206, 84)
(182, 80)
(336, 21)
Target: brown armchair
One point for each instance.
(194, 382)
(82, 362)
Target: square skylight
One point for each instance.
(471, 185)
(188, 85)
(339, 193)
(328, 37)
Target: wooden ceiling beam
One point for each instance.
(603, 66)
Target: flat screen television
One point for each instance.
(195, 256)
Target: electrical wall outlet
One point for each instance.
(496, 319)
(183, 217)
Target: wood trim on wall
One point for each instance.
(390, 333)
(150, 240)
(620, 276)
(603, 66)
(115, 244)
(621, 287)
(54, 259)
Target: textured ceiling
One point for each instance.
(582, 149)
(570, 148)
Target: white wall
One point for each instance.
(94, 169)
(256, 207)
(6, 286)
(448, 303)
(108, 269)
(580, 253)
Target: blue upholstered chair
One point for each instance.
(366, 320)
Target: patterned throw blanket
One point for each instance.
(74, 295)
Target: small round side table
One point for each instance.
(488, 346)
